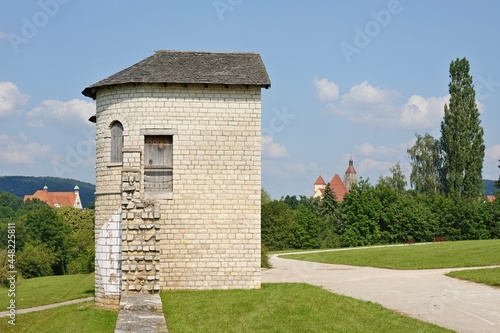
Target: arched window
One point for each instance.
(116, 142)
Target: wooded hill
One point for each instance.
(22, 185)
(489, 187)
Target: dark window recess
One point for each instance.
(116, 142)
(158, 152)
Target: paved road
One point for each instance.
(427, 295)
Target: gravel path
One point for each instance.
(49, 306)
(427, 295)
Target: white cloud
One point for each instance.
(493, 152)
(480, 106)
(364, 93)
(3, 139)
(492, 157)
(300, 168)
(369, 164)
(368, 149)
(3, 35)
(368, 104)
(326, 90)
(271, 149)
(73, 110)
(404, 146)
(21, 151)
(35, 123)
(420, 112)
(289, 170)
(365, 103)
(11, 99)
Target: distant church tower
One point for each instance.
(350, 176)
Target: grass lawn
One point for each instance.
(489, 276)
(49, 290)
(76, 318)
(425, 256)
(281, 307)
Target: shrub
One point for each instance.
(36, 259)
(264, 257)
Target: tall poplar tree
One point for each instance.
(461, 142)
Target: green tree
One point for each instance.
(277, 225)
(79, 247)
(311, 203)
(425, 164)
(10, 201)
(414, 219)
(264, 257)
(469, 219)
(21, 233)
(29, 205)
(329, 205)
(361, 211)
(397, 180)
(328, 209)
(493, 224)
(36, 259)
(264, 196)
(46, 227)
(461, 142)
(291, 201)
(305, 233)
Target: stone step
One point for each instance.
(141, 313)
(135, 302)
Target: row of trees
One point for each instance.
(375, 214)
(47, 241)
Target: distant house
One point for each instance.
(58, 199)
(340, 188)
(178, 174)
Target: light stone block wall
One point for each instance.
(108, 255)
(207, 236)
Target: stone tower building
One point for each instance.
(350, 176)
(178, 174)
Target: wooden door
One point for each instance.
(158, 164)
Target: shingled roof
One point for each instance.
(186, 67)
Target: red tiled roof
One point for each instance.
(54, 199)
(350, 169)
(490, 198)
(320, 181)
(338, 187)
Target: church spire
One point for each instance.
(350, 177)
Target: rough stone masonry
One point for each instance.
(178, 174)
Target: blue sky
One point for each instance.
(349, 78)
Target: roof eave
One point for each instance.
(91, 91)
